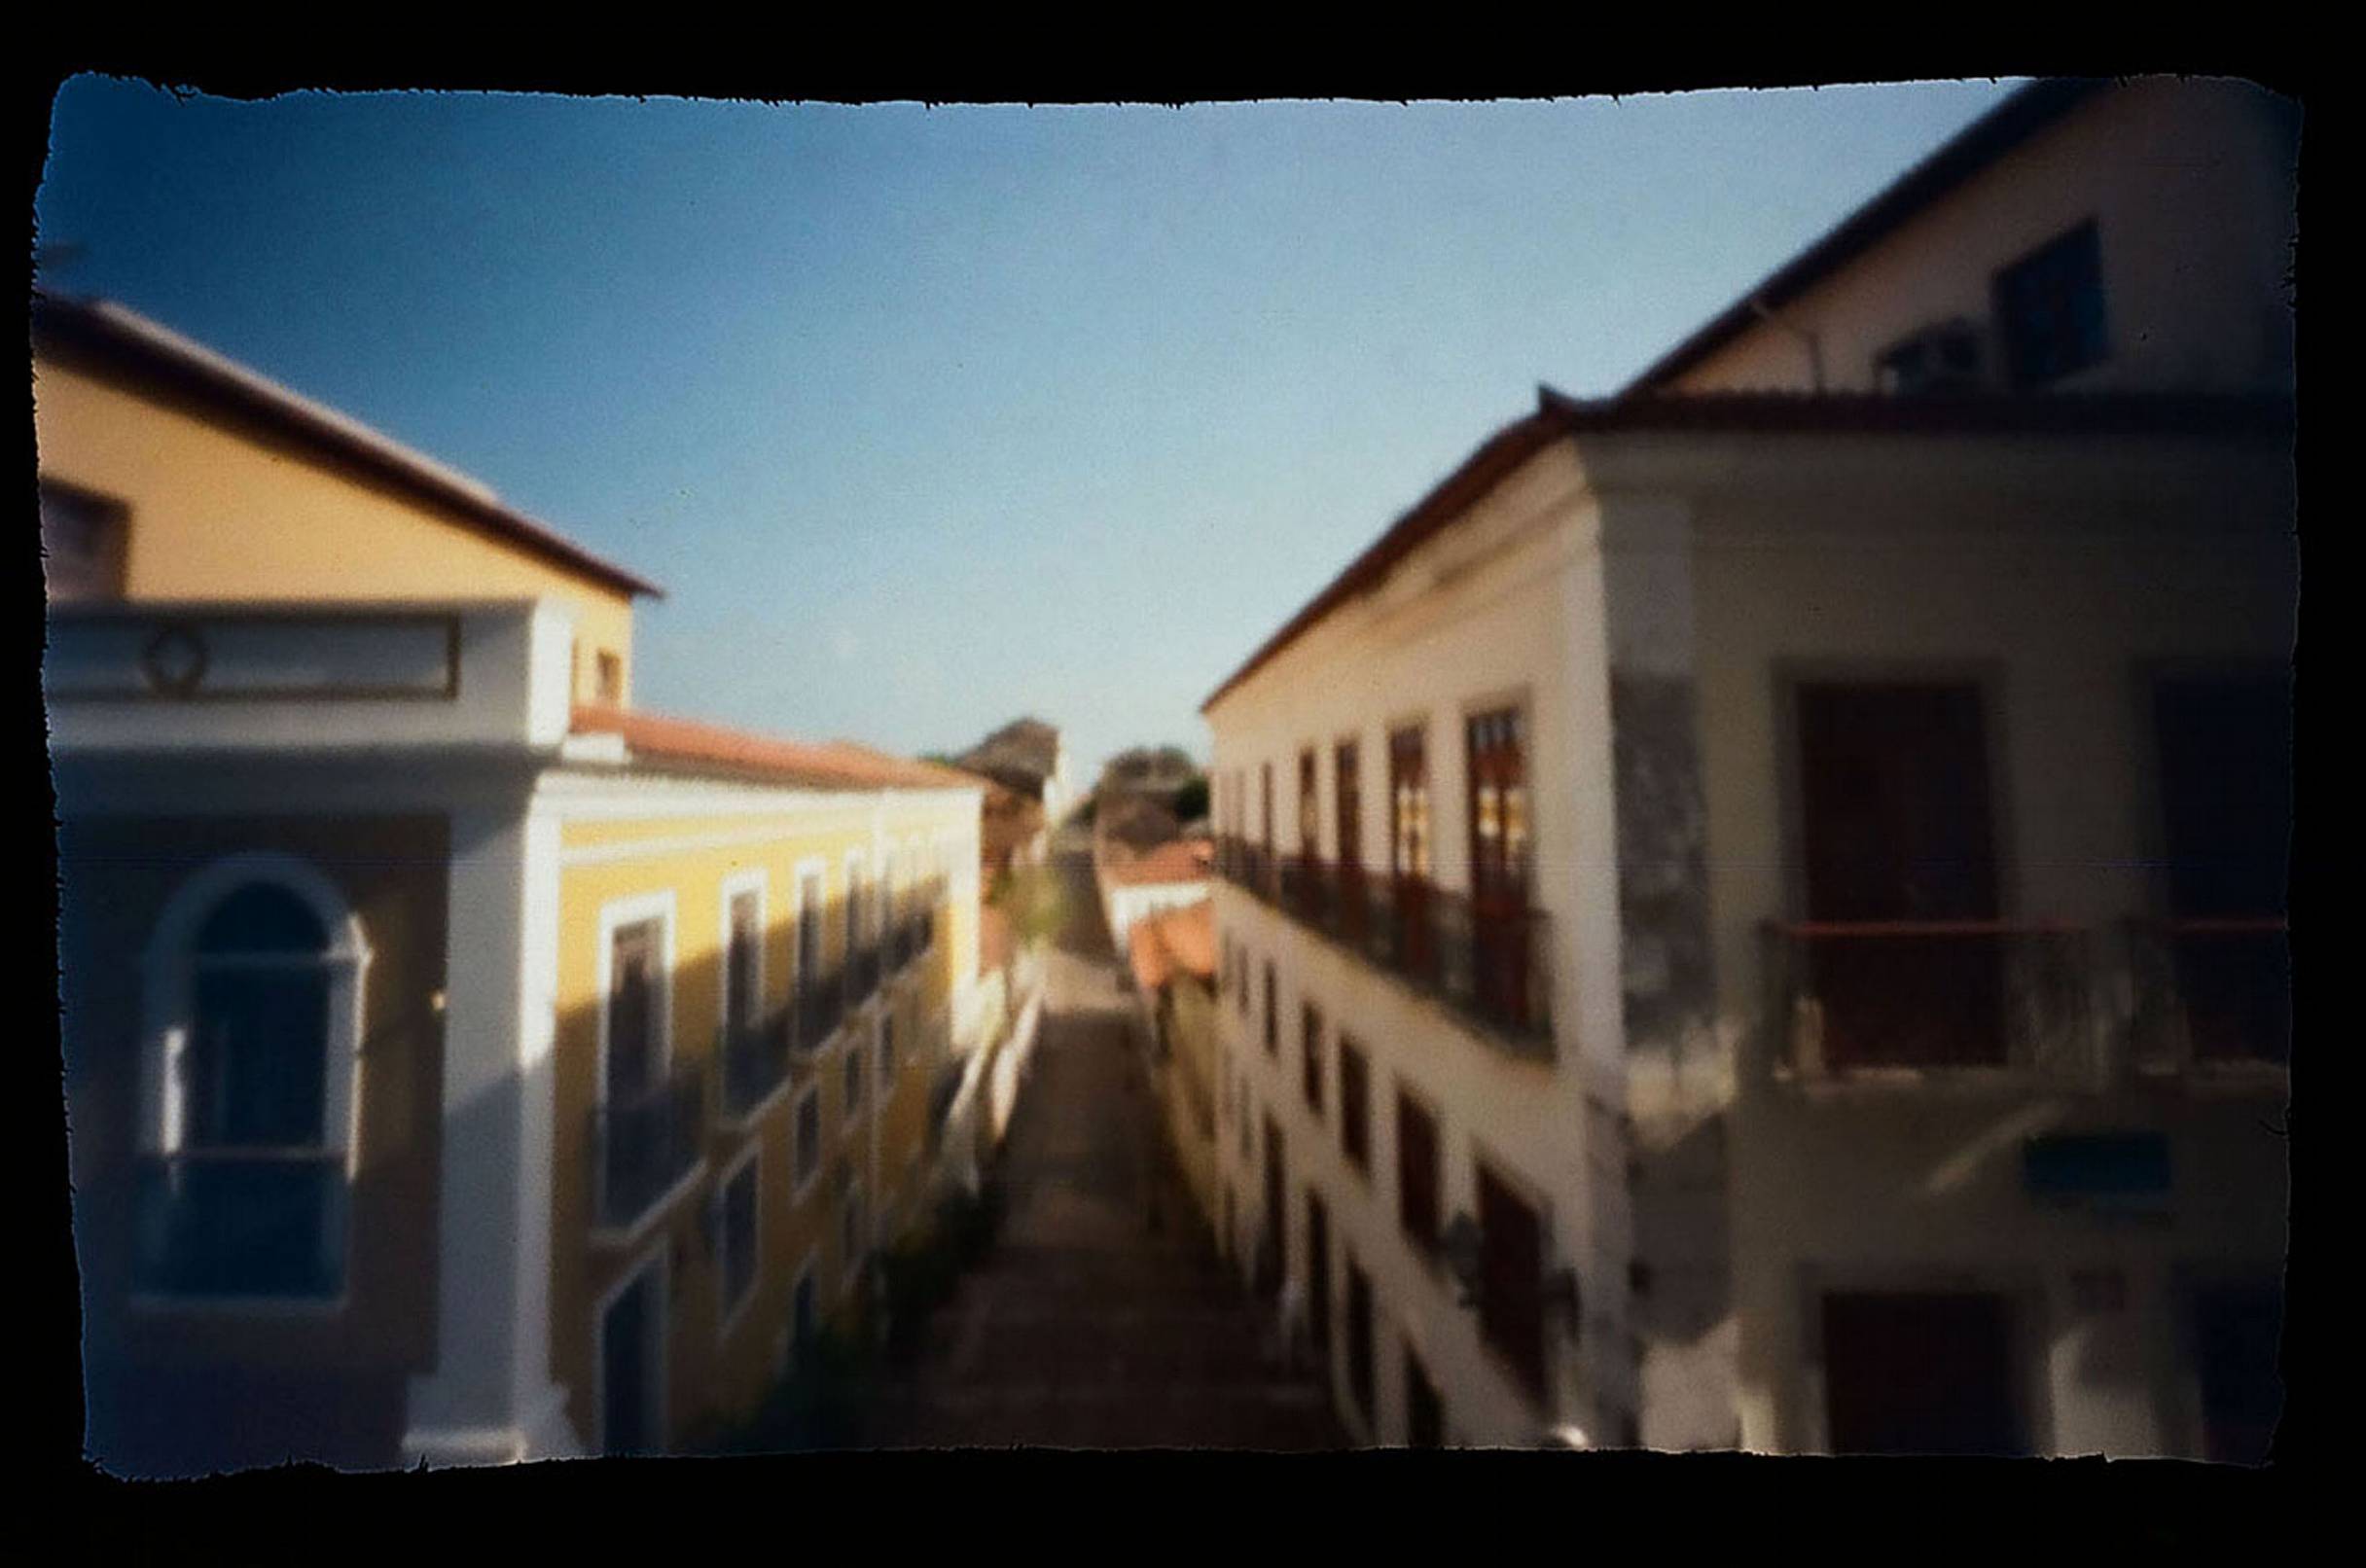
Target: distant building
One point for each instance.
(1134, 883)
(463, 1063)
(1754, 913)
(1029, 757)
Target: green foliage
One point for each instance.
(1035, 898)
(825, 1401)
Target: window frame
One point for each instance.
(169, 968)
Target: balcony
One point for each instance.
(821, 1006)
(2210, 995)
(1490, 962)
(863, 973)
(911, 935)
(754, 1060)
(1903, 998)
(642, 1148)
(242, 1224)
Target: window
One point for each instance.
(809, 928)
(2225, 748)
(1273, 1024)
(1359, 1338)
(854, 1080)
(1418, 1173)
(2050, 309)
(242, 1192)
(1240, 977)
(635, 1011)
(808, 1137)
(1308, 813)
(736, 1241)
(84, 539)
(886, 1054)
(1267, 837)
(1510, 1269)
(855, 895)
(1349, 805)
(743, 962)
(1311, 1022)
(1407, 805)
(1354, 1105)
(610, 677)
(850, 1230)
(1498, 809)
(1897, 825)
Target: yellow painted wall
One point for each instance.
(221, 507)
(712, 1378)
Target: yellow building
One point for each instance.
(508, 1072)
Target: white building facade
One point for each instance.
(1726, 939)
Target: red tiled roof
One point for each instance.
(103, 328)
(713, 748)
(1178, 859)
(1172, 942)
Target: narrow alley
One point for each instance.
(1100, 1319)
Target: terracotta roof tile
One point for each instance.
(706, 747)
(1178, 859)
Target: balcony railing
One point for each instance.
(1856, 996)
(821, 1006)
(643, 1147)
(1490, 960)
(242, 1222)
(2209, 993)
(755, 1059)
(915, 930)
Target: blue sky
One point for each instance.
(926, 418)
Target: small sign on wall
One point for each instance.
(2125, 1173)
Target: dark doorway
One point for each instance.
(1898, 828)
(2239, 1335)
(628, 1349)
(1919, 1373)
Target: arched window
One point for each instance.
(254, 988)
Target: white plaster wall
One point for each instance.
(2102, 556)
(1491, 610)
(2193, 198)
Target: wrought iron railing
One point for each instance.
(1854, 996)
(643, 1147)
(1491, 960)
(821, 1006)
(2209, 993)
(755, 1059)
(242, 1222)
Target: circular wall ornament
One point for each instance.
(174, 659)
